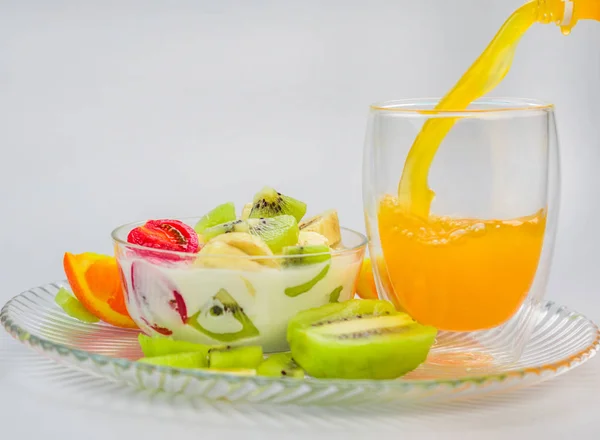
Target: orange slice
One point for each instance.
(96, 283)
(365, 288)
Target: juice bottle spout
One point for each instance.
(566, 13)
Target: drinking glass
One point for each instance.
(476, 265)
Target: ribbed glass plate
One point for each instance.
(562, 340)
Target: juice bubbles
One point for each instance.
(459, 274)
(466, 274)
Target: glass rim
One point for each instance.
(116, 235)
(426, 106)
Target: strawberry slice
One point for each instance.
(169, 235)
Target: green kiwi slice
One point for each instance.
(280, 365)
(179, 360)
(270, 203)
(73, 307)
(221, 214)
(334, 296)
(224, 228)
(235, 357)
(305, 287)
(305, 255)
(221, 312)
(276, 232)
(162, 346)
(358, 339)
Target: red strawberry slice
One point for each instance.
(159, 302)
(169, 235)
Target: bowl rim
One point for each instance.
(116, 232)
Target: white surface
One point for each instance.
(116, 111)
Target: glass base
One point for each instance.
(488, 350)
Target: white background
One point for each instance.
(116, 111)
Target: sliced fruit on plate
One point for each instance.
(170, 235)
(222, 319)
(221, 214)
(365, 287)
(358, 339)
(96, 283)
(161, 346)
(326, 224)
(280, 365)
(179, 360)
(235, 357)
(73, 307)
(270, 203)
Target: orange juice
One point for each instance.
(459, 274)
(466, 274)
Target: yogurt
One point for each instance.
(228, 306)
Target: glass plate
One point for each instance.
(562, 340)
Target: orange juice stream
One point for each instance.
(466, 274)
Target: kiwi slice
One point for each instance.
(179, 360)
(73, 307)
(224, 228)
(161, 346)
(221, 214)
(277, 232)
(305, 255)
(280, 365)
(270, 203)
(305, 287)
(334, 296)
(358, 339)
(235, 357)
(220, 313)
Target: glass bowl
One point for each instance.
(231, 299)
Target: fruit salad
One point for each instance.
(236, 279)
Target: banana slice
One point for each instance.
(246, 211)
(326, 224)
(306, 238)
(216, 254)
(250, 245)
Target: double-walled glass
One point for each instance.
(475, 263)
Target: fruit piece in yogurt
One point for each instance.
(156, 296)
(270, 203)
(169, 235)
(305, 287)
(222, 319)
(235, 357)
(326, 224)
(276, 232)
(221, 214)
(306, 255)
